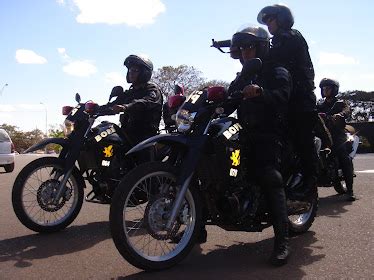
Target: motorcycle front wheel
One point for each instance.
(34, 191)
(139, 212)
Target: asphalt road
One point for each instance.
(339, 245)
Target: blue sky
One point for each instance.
(51, 49)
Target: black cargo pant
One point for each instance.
(301, 129)
(339, 149)
(264, 154)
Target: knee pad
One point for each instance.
(271, 178)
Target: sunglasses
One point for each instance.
(247, 47)
(134, 70)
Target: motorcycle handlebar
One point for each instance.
(105, 110)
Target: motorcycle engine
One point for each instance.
(236, 203)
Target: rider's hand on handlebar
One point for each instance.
(252, 91)
(119, 108)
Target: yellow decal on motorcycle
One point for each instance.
(235, 157)
(108, 151)
(232, 130)
(105, 133)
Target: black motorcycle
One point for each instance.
(330, 172)
(48, 192)
(208, 183)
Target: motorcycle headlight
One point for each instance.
(350, 137)
(68, 127)
(184, 120)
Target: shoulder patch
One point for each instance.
(282, 73)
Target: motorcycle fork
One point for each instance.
(184, 179)
(62, 187)
(70, 159)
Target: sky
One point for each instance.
(52, 49)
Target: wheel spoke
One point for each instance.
(144, 224)
(39, 189)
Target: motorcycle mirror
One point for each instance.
(77, 97)
(116, 91)
(112, 95)
(250, 68)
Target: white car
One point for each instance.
(6, 151)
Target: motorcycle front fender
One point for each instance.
(45, 142)
(170, 138)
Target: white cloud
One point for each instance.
(326, 58)
(60, 2)
(80, 68)
(368, 76)
(31, 107)
(131, 12)
(29, 57)
(62, 52)
(7, 108)
(115, 78)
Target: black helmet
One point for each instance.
(145, 65)
(178, 89)
(282, 13)
(250, 35)
(326, 82)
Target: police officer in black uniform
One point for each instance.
(141, 104)
(263, 113)
(336, 112)
(290, 50)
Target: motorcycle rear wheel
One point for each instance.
(138, 226)
(33, 192)
(301, 223)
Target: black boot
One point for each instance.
(306, 191)
(278, 211)
(281, 250)
(349, 195)
(202, 237)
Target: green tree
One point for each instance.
(56, 132)
(215, 83)
(23, 140)
(11, 129)
(168, 76)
